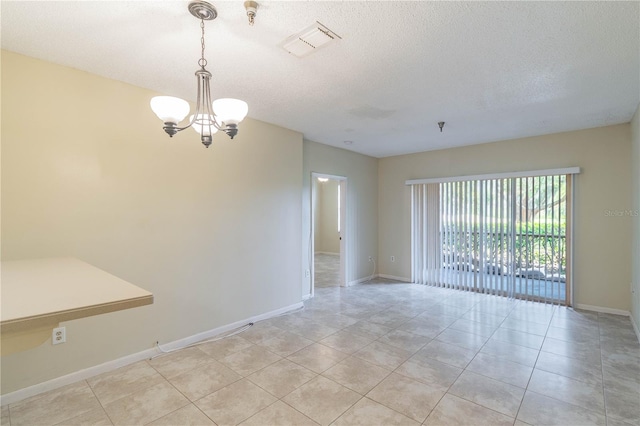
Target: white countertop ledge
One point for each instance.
(39, 292)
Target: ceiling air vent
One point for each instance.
(309, 40)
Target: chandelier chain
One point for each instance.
(202, 61)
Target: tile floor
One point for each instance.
(376, 354)
(326, 270)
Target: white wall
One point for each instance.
(88, 172)
(326, 236)
(635, 197)
(362, 201)
(602, 257)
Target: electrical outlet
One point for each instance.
(307, 273)
(393, 258)
(370, 258)
(59, 335)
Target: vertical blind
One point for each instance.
(506, 236)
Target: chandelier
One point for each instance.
(209, 117)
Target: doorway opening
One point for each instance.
(328, 231)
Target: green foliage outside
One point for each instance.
(536, 239)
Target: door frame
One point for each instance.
(342, 183)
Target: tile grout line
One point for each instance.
(316, 375)
(390, 371)
(99, 402)
(604, 394)
(181, 393)
(534, 366)
(465, 369)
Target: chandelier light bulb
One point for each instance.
(203, 125)
(169, 109)
(230, 111)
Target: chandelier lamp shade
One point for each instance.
(210, 116)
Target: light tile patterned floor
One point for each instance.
(326, 270)
(376, 354)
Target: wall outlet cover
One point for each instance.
(59, 335)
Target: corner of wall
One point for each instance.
(635, 238)
(635, 327)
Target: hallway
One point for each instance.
(327, 270)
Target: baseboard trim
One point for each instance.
(358, 281)
(393, 277)
(362, 280)
(602, 309)
(327, 252)
(306, 297)
(390, 277)
(635, 327)
(76, 376)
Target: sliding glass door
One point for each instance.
(503, 236)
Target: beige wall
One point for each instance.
(602, 258)
(88, 172)
(635, 199)
(326, 237)
(362, 203)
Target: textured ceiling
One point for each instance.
(491, 70)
